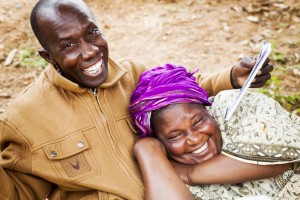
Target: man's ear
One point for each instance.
(45, 54)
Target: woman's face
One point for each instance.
(189, 134)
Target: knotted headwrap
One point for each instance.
(162, 86)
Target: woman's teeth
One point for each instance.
(94, 68)
(200, 150)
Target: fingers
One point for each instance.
(248, 62)
(257, 85)
(263, 75)
(242, 70)
(265, 69)
(260, 81)
(266, 62)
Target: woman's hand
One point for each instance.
(182, 171)
(241, 71)
(160, 179)
(147, 147)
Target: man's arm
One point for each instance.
(234, 77)
(18, 184)
(160, 179)
(225, 170)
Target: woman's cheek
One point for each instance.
(210, 127)
(176, 149)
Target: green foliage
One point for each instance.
(279, 57)
(30, 59)
(282, 86)
(274, 88)
(293, 43)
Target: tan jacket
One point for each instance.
(79, 142)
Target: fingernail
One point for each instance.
(259, 73)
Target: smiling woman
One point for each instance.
(260, 142)
(178, 113)
(178, 126)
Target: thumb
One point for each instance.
(248, 62)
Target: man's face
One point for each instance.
(189, 134)
(75, 44)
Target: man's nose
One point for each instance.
(88, 50)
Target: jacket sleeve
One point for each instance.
(215, 82)
(17, 182)
(135, 69)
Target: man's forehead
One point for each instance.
(64, 14)
(63, 21)
(61, 8)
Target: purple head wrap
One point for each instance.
(162, 86)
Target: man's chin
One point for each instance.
(93, 84)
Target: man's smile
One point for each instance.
(95, 68)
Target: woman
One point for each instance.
(255, 153)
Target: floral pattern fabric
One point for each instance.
(259, 132)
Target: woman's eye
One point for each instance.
(175, 137)
(199, 121)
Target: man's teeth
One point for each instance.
(94, 68)
(200, 150)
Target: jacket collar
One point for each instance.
(115, 72)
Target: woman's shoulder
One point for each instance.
(260, 129)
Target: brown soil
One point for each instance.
(209, 35)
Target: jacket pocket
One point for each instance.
(71, 157)
(127, 133)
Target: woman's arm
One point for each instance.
(225, 170)
(160, 179)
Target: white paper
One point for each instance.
(263, 55)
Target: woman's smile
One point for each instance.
(201, 149)
(205, 152)
(188, 132)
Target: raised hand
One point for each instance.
(241, 71)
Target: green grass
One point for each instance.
(31, 59)
(288, 98)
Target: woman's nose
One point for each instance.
(193, 138)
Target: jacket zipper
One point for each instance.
(95, 93)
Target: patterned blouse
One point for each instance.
(259, 132)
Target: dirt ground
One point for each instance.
(209, 35)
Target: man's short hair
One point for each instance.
(34, 19)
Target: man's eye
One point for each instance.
(95, 32)
(68, 45)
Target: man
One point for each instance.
(69, 135)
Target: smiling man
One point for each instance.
(69, 135)
(75, 44)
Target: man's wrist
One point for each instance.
(233, 78)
